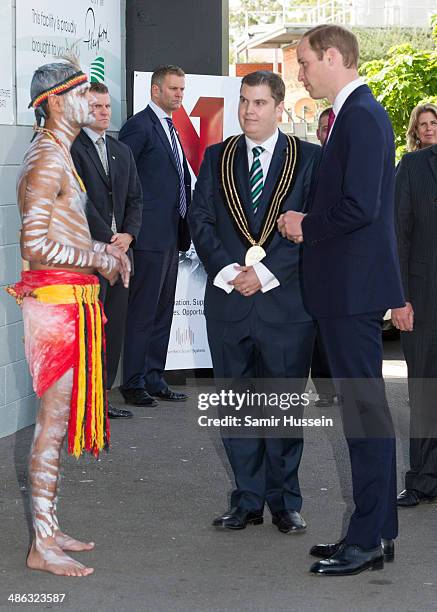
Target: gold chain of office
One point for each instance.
(232, 197)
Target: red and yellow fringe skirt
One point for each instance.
(63, 329)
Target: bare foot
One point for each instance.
(52, 559)
(66, 542)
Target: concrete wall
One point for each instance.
(17, 401)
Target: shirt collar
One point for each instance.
(344, 93)
(159, 112)
(267, 145)
(93, 135)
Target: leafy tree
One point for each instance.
(405, 78)
(375, 43)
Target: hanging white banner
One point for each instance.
(6, 79)
(48, 29)
(209, 115)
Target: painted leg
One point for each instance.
(46, 552)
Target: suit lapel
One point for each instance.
(433, 161)
(92, 152)
(241, 172)
(112, 161)
(162, 135)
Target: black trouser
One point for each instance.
(265, 469)
(354, 348)
(320, 372)
(420, 349)
(149, 318)
(114, 300)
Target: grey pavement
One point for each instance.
(148, 505)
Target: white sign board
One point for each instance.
(209, 115)
(48, 29)
(6, 81)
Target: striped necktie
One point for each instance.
(174, 146)
(256, 178)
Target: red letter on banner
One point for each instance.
(210, 111)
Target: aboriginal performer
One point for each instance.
(63, 320)
(257, 325)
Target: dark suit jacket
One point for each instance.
(121, 192)
(416, 228)
(162, 226)
(350, 261)
(218, 244)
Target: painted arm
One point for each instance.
(37, 200)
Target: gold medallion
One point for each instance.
(254, 255)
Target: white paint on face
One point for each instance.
(77, 110)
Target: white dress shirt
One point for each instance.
(341, 98)
(162, 116)
(228, 273)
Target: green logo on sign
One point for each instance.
(97, 70)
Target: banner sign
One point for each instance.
(48, 29)
(6, 79)
(209, 115)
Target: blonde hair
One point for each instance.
(413, 143)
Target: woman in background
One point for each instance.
(416, 228)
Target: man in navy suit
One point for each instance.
(351, 276)
(166, 182)
(257, 325)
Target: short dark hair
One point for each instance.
(161, 72)
(324, 112)
(265, 77)
(328, 36)
(99, 88)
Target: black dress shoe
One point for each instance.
(118, 413)
(409, 498)
(349, 560)
(325, 400)
(324, 551)
(289, 521)
(238, 518)
(170, 396)
(137, 397)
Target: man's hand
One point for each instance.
(123, 266)
(290, 225)
(122, 241)
(247, 282)
(403, 318)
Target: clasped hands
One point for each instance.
(403, 318)
(123, 267)
(246, 282)
(290, 226)
(118, 247)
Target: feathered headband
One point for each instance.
(70, 83)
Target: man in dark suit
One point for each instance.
(257, 325)
(351, 276)
(416, 199)
(166, 182)
(320, 372)
(113, 210)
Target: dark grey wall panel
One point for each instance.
(190, 33)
